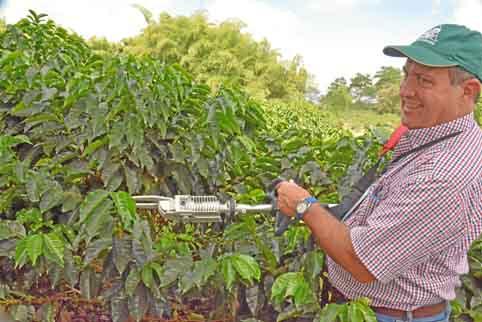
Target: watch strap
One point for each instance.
(309, 200)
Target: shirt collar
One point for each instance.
(417, 137)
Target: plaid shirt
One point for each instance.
(415, 227)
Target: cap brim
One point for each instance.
(419, 55)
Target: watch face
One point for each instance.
(301, 207)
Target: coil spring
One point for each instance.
(202, 204)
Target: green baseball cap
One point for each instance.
(445, 46)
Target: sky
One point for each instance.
(336, 38)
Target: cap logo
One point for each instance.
(431, 36)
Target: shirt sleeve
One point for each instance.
(407, 226)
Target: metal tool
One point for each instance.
(197, 209)
(208, 209)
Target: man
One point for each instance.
(406, 243)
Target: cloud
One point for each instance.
(337, 6)
(281, 27)
(436, 7)
(469, 13)
(108, 18)
(328, 51)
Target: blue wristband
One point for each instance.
(307, 203)
(311, 200)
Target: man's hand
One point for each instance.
(331, 235)
(289, 195)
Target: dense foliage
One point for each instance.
(81, 132)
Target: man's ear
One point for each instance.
(472, 88)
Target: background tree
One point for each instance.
(220, 54)
(338, 95)
(362, 89)
(103, 46)
(478, 112)
(387, 75)
(3, 25)
(387, 87)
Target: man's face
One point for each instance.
(427, 97)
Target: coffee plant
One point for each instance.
(82, 133)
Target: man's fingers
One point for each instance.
(279, 185)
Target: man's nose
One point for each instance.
(407, 87)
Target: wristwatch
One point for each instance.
(303, 206)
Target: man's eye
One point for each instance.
(424, 81)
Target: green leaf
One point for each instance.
(291, 284)
(173, 268)
(116, 136)
(7, 141)
(132, 179)
(186, 282)
(94, 146)
(303, 294)
(111, 175)
(29, 216)
(147, 276)
(138, 303)
(248, 144)
(122, 253)
(145, 159)
(126, 208)
(99, 220)
(141, 251)
(183, 179)
(313, 265)
(90, 204)
(291, 313)
(256, 195)
(54, 274)
(366, 312)
(203, 270)
(295, 235)
(34, 247)
(238, 231)
(21, 253)
(54, 248)
(89, 283)
(293, 144)
(356, 313)
(36, 187)
(11, 229)
(247, 267)
(228, 271)
(95, 248)
(71, 270)
(7, 248)
(6, 198)
(268, 255)
(51, 198)
(48, 93)
(330, 312)
(132, 281)
(71, 200)
(134, 131)
(157, 268)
